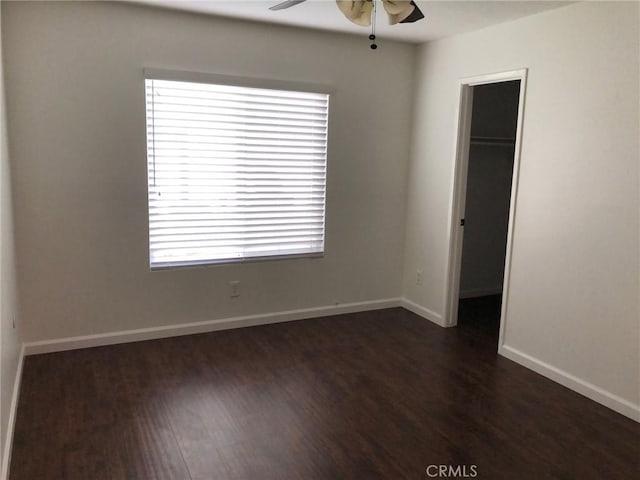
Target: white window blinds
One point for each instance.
(235, 173)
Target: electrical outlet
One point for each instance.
(235, 288)
(418, 277)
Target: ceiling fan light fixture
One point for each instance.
(357, 11)
(360, 12)
(363, 12)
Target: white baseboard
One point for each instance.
(151, 333)
(576, 384)
(112, 338)
(480, 292)
(423, 312)
(8, 441)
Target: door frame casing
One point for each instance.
(458, 197)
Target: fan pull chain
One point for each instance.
(372, 37)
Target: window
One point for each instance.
(235, 173)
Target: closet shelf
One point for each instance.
(495, 141)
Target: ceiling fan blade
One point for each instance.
(402, 11)
(287, 4)
(414, 16)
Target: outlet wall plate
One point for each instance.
(235, 288)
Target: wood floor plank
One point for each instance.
(375, 395)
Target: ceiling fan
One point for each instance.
(363, 12)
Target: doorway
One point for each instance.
(483, 201)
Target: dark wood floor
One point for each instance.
(378, 395)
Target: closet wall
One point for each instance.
(493, 129)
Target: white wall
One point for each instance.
(573, 305)
(10, 341)
(76, 104)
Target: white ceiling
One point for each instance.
(442, 18)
